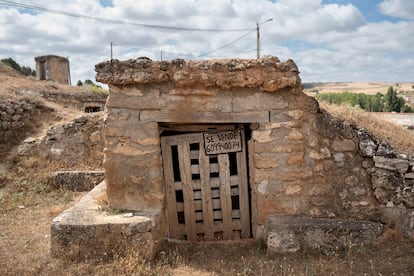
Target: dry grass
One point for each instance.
(28, 206)
(397, 136)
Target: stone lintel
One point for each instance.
(268, 73)
(205, 117)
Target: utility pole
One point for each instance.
(257, 40)
(161, 55)
(258, 36)
(112, 44)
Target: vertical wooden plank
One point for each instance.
(243, 191)
(225, 195)
(170, 188)
(185, 170)
(207, 200)
(253, 196)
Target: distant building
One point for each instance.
(53, 68)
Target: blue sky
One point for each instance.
(330, 40)
(369, 8)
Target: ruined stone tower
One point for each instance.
(53, 68)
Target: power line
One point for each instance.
(206, 53)
(228, 44)
(112, 21)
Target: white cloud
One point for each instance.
(398, 8)
(328, 41)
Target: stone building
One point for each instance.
(285, 160)
(54, 68)
(233, 149)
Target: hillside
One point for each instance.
(44, 118)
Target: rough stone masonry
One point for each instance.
(302, 163)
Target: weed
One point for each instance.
(35, 100)
(99, 90)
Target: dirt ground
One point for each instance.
(27, 209)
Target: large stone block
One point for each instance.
(88, 232)
(391, 164)
(286, 233)
(284, 241)
(343, 145)
(251, 101)
(77, 180)
(265, 161)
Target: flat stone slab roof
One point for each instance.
(267, 73)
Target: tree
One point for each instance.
(392, 102)
(79, 83)
(89, 82)
(27, 71)
(12, 63)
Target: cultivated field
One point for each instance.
(360, 87)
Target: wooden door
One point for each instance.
(207, 194)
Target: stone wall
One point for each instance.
(301, 160)
(74, 145)
(78, 100)
(392, 180)
(16, 120)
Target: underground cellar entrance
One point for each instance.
(206, 181)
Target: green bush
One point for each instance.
(372, 103)
(27, 71)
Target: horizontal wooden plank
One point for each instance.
(214, 182)
(194, 154)
(234, 180)
(216, 204)
(217, 214)
(215, 193)
(197, 195)
(217, 227)
(214, 167)
(235, 214)
(205, 117)
(235, 191)
(196, 184)
(180, 206)
(195, 169)
(198, 205)
(199, 216)
(178, 186)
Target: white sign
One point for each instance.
(222, 142)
